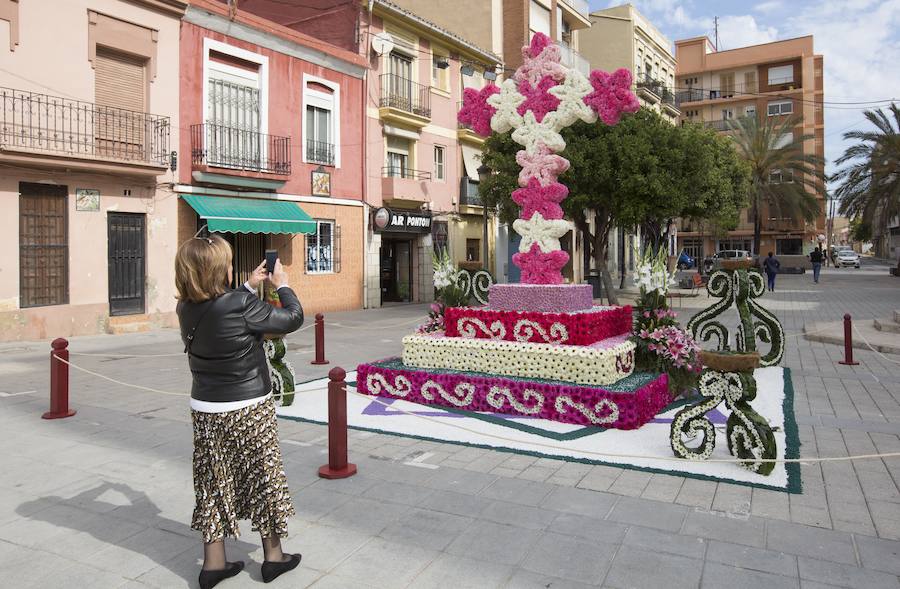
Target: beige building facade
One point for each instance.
(779, 79)
(90, 119)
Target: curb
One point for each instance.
(858, 344)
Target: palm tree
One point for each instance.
(784, 180)
(870, 185)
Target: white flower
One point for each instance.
(571, 94)
(507, 104)
(533, 134)
(541, 231)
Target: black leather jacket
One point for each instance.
(226, 355)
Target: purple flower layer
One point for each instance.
(582, 405)
(548, 298)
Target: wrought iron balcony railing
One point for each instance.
(407, 173)
(319, 152)
(238, 149)
(50, 124)
(468, 192)
(403, 94)
(719, 125)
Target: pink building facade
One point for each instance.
(270, 115)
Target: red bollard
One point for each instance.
(59, 381)
(320, 340)
(848, 342)
(337, 467)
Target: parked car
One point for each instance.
(846, 257)
(685, 261)
(715, 262)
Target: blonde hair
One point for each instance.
(201, 268)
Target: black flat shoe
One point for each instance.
(273, 570)
(209, 579)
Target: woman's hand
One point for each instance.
(279, 277)
(258, 275)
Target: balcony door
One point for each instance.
(401, 90)
(120, 93)
(233, 116)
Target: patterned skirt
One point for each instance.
(238, 473)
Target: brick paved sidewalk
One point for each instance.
(104, 499)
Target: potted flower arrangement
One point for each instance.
(660, 342)
(447, 292)
(275, 347)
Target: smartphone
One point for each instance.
(271, 258)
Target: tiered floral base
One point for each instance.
(572, 365)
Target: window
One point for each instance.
(473, 250)
(321, 99)
(789, 247)
(438, 162)
(323, 249)
(784, 107)
(43, 245)
(398, 150)
(783, 74)
(779, 177)
(750, 82)
(750, 111)
(727, 113)
(440, 76)
(726, 85)
(539, 19)
(120, 91)
(735, 244)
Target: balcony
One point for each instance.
(468, 192)
(219, 146)
(399, 183)
(648, 87)
(581, 7)
(668, 102)
(319, 152)
(718, 125)
(403, 101)
(572, 59)
(59, 132)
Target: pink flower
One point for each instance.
(476, 111)
(612, 95)
(541, 199)
(646, 314)
(540, 268)
(543, 165)
(537, 99)
(541, 60)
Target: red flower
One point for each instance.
(476, 111)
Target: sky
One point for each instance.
(858, 39)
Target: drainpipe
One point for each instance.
(365, 165)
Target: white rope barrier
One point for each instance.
(469, 430)
(868, 345)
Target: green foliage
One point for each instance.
(760, 145)
(870, 183)
(860, 231)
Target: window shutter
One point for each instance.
(336, 249)
(119, 81)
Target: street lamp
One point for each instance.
(484, 172)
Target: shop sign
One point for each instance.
(402, 221)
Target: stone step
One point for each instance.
(129, 324)
(887, 326)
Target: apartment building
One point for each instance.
(621, 37)
(779, 79)
(89, 107)
(273, 150)
(421, 166)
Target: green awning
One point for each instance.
(250, 215)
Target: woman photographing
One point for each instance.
(237, 465)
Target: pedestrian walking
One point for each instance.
(771, 265)
(816, 257)
(237, 465)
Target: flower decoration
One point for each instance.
(558, 298)
(476, 111)
(570, 95)
(543, 200)
(540, 268)
(537, 98)
(581, 328)
(673, 346)
(532, 135)
(506, 104)
(542, 165)
(541, 232)
(541, 61)
(595, 364)
(444, 269)
(612, 95)
(652, 272)
(636, 405)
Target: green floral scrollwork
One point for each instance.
(702, 325)
(281, 371)
(692, 421)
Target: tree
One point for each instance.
(641, 172)
(869, 187)
(860, 231)
(784, 180)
